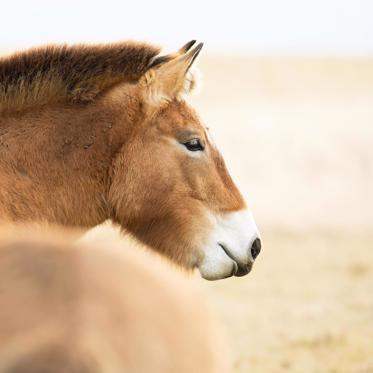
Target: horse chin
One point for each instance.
(213, 270)
(213, 274)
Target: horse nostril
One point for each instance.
(255, 248)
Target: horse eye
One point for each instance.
(194, 145)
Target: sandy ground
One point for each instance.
(306, 307)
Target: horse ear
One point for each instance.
(169, 76)
(162, 59)
(187, 46)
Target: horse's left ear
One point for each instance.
(169, 76)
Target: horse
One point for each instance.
(90, 133)
(68, 308)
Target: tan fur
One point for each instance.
(81, 309)
(118, 157)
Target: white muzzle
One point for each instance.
(232, 246)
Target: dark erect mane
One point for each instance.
(64, 73)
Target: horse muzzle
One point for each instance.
(232, 247)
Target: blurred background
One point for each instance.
(288, 95)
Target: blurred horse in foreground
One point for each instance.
(79, 309)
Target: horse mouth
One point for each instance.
(239, 269)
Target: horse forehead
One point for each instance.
(180, 114)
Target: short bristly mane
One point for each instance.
(79, 73)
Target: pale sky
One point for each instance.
(260, 27)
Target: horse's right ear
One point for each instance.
(169, 76)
